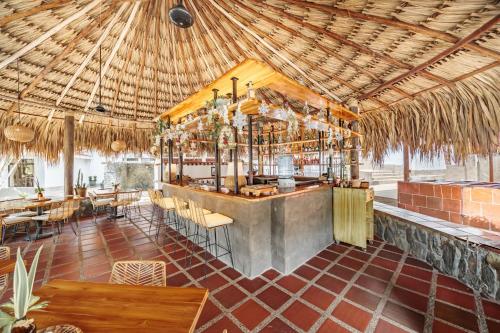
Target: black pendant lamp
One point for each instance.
(180, 16)
(99, 107)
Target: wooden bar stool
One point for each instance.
(183, 217)
(211, 222)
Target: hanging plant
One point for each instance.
(239, 119)
(263, 109)
(226, 138)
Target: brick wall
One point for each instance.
(441, 201)
(481, 207)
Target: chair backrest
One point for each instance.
(145, 273)
(61, 210)
(197, 213)
(4, 252)
(138, 195)
(178, 205)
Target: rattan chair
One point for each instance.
(98, 204)
(124, 200)
(144, 273)
(59, 213)
(4, 255)
(14, 221)
(136, 201)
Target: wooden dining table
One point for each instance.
(104, 307)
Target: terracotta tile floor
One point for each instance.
(342, 289)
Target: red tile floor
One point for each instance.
(342, 289)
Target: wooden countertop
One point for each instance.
(297, 191)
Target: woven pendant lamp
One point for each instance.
(19, 133)
(118, 146)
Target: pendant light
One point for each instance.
(99, 107)
(118, 145)
(19, 133)
(180, 16)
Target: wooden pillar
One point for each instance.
(180, 165)
(260, 155)
(69, 153)
(162, 147)
(301, 154)
(406, 164)
(250, 151)
(320, 153)
(355, 143)
(217, 153)
(271, 150)
(170, 154)
(490, 162)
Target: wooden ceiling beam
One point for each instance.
(49, 33)
(142, 60)
(156, 55)
(89, 56)
(123, 70)
(440, 56)
(32, 11)
(394, 22)
(343, 40)
(113, 52)
(276, 52)
(70, 47)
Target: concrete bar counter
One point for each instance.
(281, 231)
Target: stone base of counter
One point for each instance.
(474, 265)
(279, 232)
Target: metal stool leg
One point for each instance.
(228, 242)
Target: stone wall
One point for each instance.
(473, 265)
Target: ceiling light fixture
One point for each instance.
(180, 16)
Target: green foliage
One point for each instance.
(38, 189)
(79, 180)
(23, 299)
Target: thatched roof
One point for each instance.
(418, 68)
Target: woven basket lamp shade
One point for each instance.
(19, 133)
(118, 145)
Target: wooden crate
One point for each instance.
(353, 216)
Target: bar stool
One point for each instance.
(183, 217)
(211, 222)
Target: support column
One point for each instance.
(217, 153)
(69, 153)
(260, 155)
(180, 165)
(320, 153)
(355, 143)
(250, 151)
(406, 164)
(162, 147)
(170, 154)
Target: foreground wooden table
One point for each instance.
(7, 266)
(103, 307)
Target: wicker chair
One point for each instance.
(136, 200)
(59, 213)
(98, 204)
(124, 200)
(15, 221)
(4, 255)
(144, 273)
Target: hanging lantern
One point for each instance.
(19, 133)
(118, 146)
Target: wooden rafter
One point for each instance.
(472, 36)
(113, 52)
(270, 47)
(155, 51)
(55, 29)
(32, 11)
(90, 54)
(362, 49)
(61, 56)
(123, 70)
(394, 22)
(202, 55)
(142, 60)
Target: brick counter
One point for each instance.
(470, 203)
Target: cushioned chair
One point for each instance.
(14, 221)
(144, 273)
(59, 213)
(99, 204)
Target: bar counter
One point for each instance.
(281, 231)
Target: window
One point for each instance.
(23, 175)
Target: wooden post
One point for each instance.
(320, 148)
(69, 153)
(490, 160)
(250, 151)
(180, 165)
(170, 154)
(406, 164)
(354, 151)
(301, 154)
(271, 139)
(235, 162)
(260, 155)
(162, 146)
(217, 154)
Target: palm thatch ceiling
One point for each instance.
(384, 54)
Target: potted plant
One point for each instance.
(80, 187)
(14, 319)
(39, 190)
